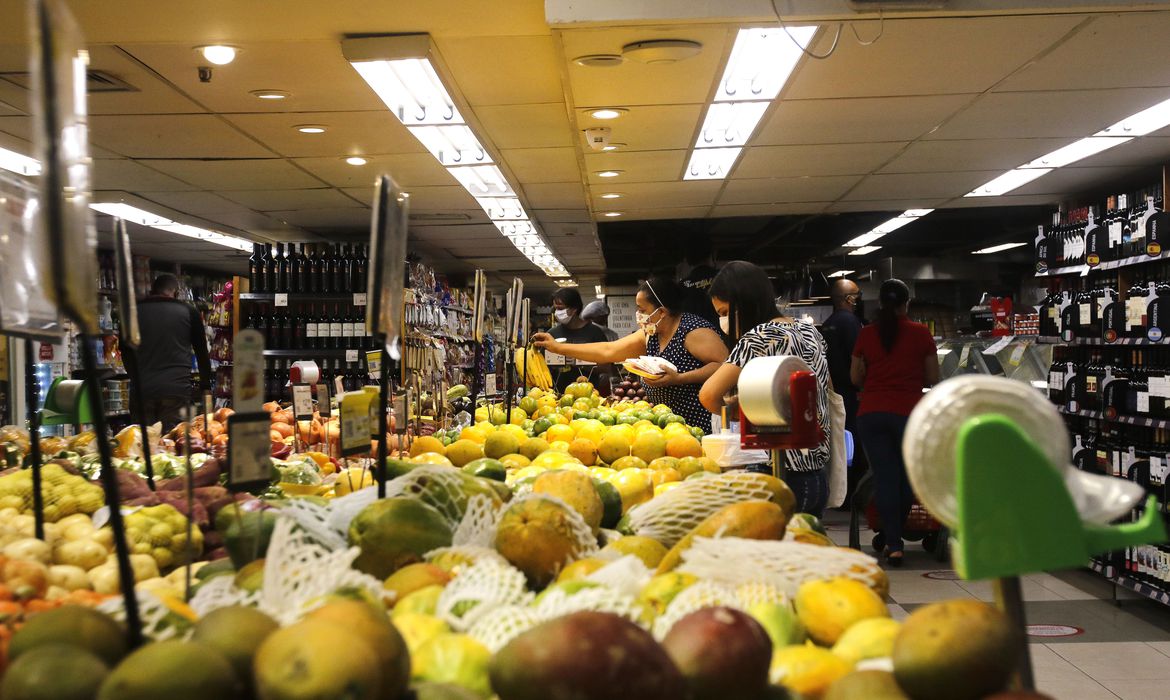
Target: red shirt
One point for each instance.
(894, 380)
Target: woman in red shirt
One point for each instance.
(893, 361)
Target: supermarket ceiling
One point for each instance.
(911, 111)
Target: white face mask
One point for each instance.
(562, 315)
(644, 323)
(725, 324)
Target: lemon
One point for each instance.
(649, 550)
(872, 638)
(806, 669)
(829, 607)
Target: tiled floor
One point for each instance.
(1119, 650)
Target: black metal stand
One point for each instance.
(130, 361)
(34, 437)
(383, 404)
(524, 374)
(508, 367)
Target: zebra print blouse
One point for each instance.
(804, 341)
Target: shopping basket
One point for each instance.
(920, 524)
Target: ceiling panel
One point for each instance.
(450, 197)
(545, 165)
(559, 195)
(786, 190)
(894, 206)
(1072, 113)
(929, 156)
(632, 83)
(664, 213)
(856, 120)
(409, 170)
(560, 216)
(279, 200)
(653, 166)
(650, 128)
(196, 203)
(1148, 150)
(927, 56)
(827, 159)
(1094, 57)
(656, 195)
(123, 174)
(221, 175)
(334, 218)
(543, 125)
(1064, 181)
(924, 185)
(521, 69)
(347, 134)
(173, 136)
(1011, 200)
(16, 134)
(731, 210)
(446, 234)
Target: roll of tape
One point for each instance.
(763, 388)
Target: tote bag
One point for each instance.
(838, 452)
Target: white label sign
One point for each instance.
(551, 358)
(999, 345)
(248, 371)
(489, 384)
(351, 355)
(359, 299)
(280, 300)
(621, 314)
(302, 395)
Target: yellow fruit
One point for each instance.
(537, 537)
(531, 470)
(553, 459)
(473, 435)
(828, 608)
(515, 461)
(532, 447)
(806, 669)
(649, 446)
(623, 430)
(301, 660)
(649, 550)
(499, 444)
(413, 577)
(683, 446)
(594, 431)
(365, 623)
(422, 602)
(634, 486)
(432, 458)
(576, 490)
(462, 451)
(584, 450)
(604, 473)
(663, 463)
(580, 569)
(426, 444)
(560, 446)
(663, 488)
(868, 639)
(665, 476)
(518, 416)
(418, 629)
(352, 479)
(659, 591)
(753, 520)
(515, 430)
(709, 465)
(630, 462)
(614, 445)
(558, 432)
(689, 465)
(643, 426)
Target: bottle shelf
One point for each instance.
(1109, 265)
(1152, 592)
(298, 297)
(1118, 342)
(308, 354)
(1124, 420)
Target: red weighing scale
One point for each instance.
(778, 407)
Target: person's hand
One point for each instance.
(542, 340)
(669, 377)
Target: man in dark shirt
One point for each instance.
(574, 329)
(171, 330)
(698, 281)
(840, 330)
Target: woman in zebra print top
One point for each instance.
(743, 296)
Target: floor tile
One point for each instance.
(1163, 647)
(1116, 661)
(897, 612)
(926, 591)
(1032, 590)
(1055, 675)
(1139, 690)
(1101, 622)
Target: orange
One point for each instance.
(683, 446)
(559, 433)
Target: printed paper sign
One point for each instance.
(280, 300)
(323, 400)
(249, 457)
(359, 299)
(302, 396)
(355, 423)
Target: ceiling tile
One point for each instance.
(861, 120)
(544, 125)
(632, 83)
(560, 216)
(173, 136)
(649, 128)
(932, 155)
(1010, 200)
(222, 175)
(278, 200)
(894, 206)
(1066, 181)
(651, 166)
(558, 195)
(357, 218)
(926, 56)
(1148, 150)
(409, 170)
(663, 213)
(521, 69)
(348, 133)
(786, 190)
(730, 210)
(656, 195)
(196, 203)
(826, 159)
(450, 197)
(545, 165)
(447, 233)
(924, 185)
(128, 175)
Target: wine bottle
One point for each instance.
(268, 274)
(312, 269)
(336, 330)
(337, 271)
(254, 268)
(310, 341)
(361, 263)
(326, 275)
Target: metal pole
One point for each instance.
(383, 403)
(128, 353)
(34, 437)
(1009, 599)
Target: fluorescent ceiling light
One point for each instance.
(612, 214)
(609, 173)
(483, 181)
(452, 144)
(1008, 181)
(19, 163)
(613, 146)
(503, 208)
(711, 163)
(997, 248)
(865, 250)
(607, 113)
(1144, 122)
(356, 160)
(887, 226)
(270, 94)
(840, 273)
(761, 62)
(218, 54)
(566, 283)
(412, 90)
(612, 195)
(310, 128)
(730, 124)
(142, 217)
(864, 240)
(514, 229)
(1076, 151)
(597, 289)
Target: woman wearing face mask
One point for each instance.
(690, 343)
(574, 329)
(744, 298)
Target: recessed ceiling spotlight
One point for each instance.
(612, 214)
(310, 128)
(608, 113)
(356, 160)
(660, 51)
(270, 94)
(599, 60)
(613, 147)
(612, 195)
(610, 173)
(219, 54)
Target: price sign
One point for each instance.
(355, 423)
(359, 299)
(999, 345)
(302, 396)
(1018, 354)
(374, 363)
(338, 386)
(208, 404)
(323, 401)
(248, 371)
(489, 384)
(249, 457)
(963, 355)
(375, 404)
(351, 355)
(551, 358)
(280, 300)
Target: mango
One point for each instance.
(867, 685)
(537, 537)
(753, 520)
(722, 653)
(576, 490)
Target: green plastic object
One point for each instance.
(58, 410)
(1015, 513)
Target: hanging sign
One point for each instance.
(130, 335)
(374, 363)
(25, 309)
(302, 395)
(387, 263)
(249, 450)
(323, 400)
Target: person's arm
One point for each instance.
(930, 372)
(717, 385)
(857, 372)
(618, 350)
(705, 345)
(199, 346)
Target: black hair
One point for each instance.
(570, 297)
(665, 292)
(164, 284)
(749, 295)
(893, 295)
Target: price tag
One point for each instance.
(302, 396)
(374, 363)
(375, 403)
(551, 358)
(338, 386)
(280, 300)
(208, 404)
(351, 355)
(249, 456)
(359, 299)
(963, 355)
(323, 401)
(355, 423)
(999, 345)
(489, 384)
(1018, 354)
(248, 371)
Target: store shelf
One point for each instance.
(1158, 594)
(459, 309)
(1111, 265)
(1125, 420)
(295, 297)
(1105, 570)
(1119, 341)
(308, 354)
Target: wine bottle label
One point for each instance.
(311, 329)
(1135, 312)
(1056, 381)
(335, 329)
(1085, 314)
(1143, 402)
(1116, 232)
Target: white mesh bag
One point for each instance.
(586, 541)
(785, 565)
(481, 587)
(478, 527)
(704, 594)
(626, 574)
(222, 592)
(669, 517)
(754, 592)
(157, 623)
(459, 558)
(556, 602)
(313, 518)
(345, 508)
(498, 626)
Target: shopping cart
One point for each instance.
(920, 525)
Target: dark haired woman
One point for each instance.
(744, 298)
(691, 344)
(893, 361)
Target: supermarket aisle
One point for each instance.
(1084, 646)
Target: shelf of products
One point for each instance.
(1022, 358)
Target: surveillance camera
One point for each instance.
(598, 137)
(204, 74)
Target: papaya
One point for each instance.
(537, 536)
(394, 532)
(576, 490)
(753, 520)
